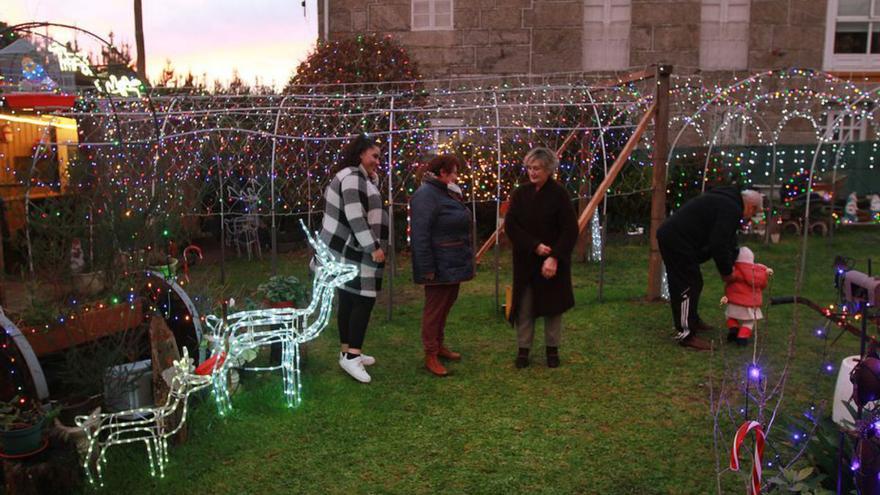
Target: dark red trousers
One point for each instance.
(438, 301)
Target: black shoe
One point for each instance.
(522, 359)
(552, 357)
(742, 342)
(731, 334)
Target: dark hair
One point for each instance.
(351, 154)
(446, 163)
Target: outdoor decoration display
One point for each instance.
(246, 330)
(154, 166)
(148, 424)
(757, 453)
(851, 210)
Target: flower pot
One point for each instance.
(167, 271)
(78, 406)
(21, 441)
(279, 304)
(774, 237)
(85, 326)
(275, 352)
(89, 283)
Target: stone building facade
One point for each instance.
(545, 36)
(721, 40)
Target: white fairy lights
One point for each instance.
(290, 327)
(145, 424)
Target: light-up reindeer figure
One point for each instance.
(290, 327)
(147, 424)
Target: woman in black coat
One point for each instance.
(442, 254)
(542, 226)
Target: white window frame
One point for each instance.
(432, 16)
(853, 127)
(724, 32)
(849, 61)
(613, 46)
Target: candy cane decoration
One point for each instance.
(758, 453)
(198, 251)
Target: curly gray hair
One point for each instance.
(544, 155)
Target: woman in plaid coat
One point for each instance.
(355, 227)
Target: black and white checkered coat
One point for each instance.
(355, 225)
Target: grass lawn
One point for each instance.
(627, 412)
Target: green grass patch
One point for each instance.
(627, 412)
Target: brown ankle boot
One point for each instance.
(434, 366)
(447, 354)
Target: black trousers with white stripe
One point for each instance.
(685, 286)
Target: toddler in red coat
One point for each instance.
(743, 296)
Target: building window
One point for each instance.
(724, 34)
(852, 128)
(852, 40)
(606, 34)
(431, 15)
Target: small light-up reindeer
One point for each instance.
(291, 327)
(151, 425)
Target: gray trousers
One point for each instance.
(525, 324)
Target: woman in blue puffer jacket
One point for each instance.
(442, 253)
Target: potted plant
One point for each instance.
(162, 263)
(283, 292)
(21, 427)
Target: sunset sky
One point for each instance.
(263, 39)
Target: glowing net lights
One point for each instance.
(664, 284)
(596, 238)
(247, 330)
(150, 425)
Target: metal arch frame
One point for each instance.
(27, 352)
(724, 94)
(187, 302)
(849, 110)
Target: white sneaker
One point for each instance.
(355, 368)
(368, 360)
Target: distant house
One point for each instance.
(452, 37)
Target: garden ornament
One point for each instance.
(149, 425)
(242, 332)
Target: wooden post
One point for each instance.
(599, 192)
(139, 41)
(658, 181)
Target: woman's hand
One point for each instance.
(543, 250)
(723, 300)
(378, 256)
(770, 272)
(548, 269)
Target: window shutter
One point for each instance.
(606, 34)
(724, 34)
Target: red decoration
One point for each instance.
(17, 101)
(210, 364)
(755, 487)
